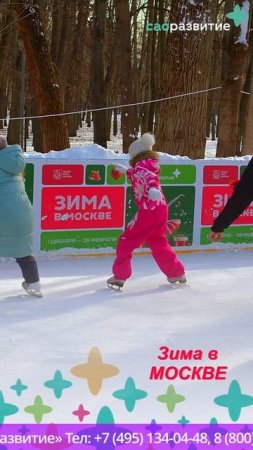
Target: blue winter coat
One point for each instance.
(16, 215)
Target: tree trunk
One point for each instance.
(147, 71)
(123, 31)
(135, 69)
(15, 126)
(181, 122)
(55, 37)
(98, 76)
(43, 76)
(112, 69)
(236, 49)
(115, 122)
(7, 58)
(213, 97)
(76, 77)
(3, 107)
(153, 80)
(248, 135)
(36, 130)
(66, 40)
(88, 119)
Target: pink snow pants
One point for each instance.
(147, 226)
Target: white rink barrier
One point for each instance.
(81, 206)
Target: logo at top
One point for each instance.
(238, 15)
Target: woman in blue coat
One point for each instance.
(16, 216)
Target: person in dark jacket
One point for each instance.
(237, 203)
(16, 216)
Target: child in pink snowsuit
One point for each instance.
(149, 223)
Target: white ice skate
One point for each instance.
(181, 279)
(115, 283)
(32, 288)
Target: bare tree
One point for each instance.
(181, 123)
(123, 31)
(248, 135)
(43, 77)
(98, 76)
(76, 89)
(15, 130)
(236, 49)
(6, 56)
(247, 148)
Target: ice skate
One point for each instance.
(32, 289)
(115, 283)
(181, 279)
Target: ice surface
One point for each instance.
(78, 312)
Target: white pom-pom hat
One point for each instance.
(143, 144)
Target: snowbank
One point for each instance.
(93, 151)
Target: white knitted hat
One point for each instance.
(143, 144)
(3, 142)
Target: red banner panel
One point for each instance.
(82, 208)
(213, 201)
(220, 174)
(67, 174)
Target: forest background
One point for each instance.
(64, 58)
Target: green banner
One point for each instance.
(131, 208)
(29, 180)
(178, 174)
(181, 201)
(55, 240)
(232, 235)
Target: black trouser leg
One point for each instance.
(29, 269)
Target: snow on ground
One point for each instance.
(78, 312)
(84, 137)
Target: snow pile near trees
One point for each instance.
(91, 152)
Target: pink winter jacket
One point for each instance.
(145, 175)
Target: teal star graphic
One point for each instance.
(6, 409)
(237, 15)
(105, 416)
(234, 400)
(130, 394)
(171, 398)
(58, 384)
(38, 409)
(183, 420)
(19, 387)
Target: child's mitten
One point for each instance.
(154, 194)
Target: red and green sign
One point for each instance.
(82, 208)
(87, 204)
(232, 235)
(178, 174)
(95, 174)
(62, 174)
(214, 200)
(220, 174)
(115, 176)
(93, 239)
